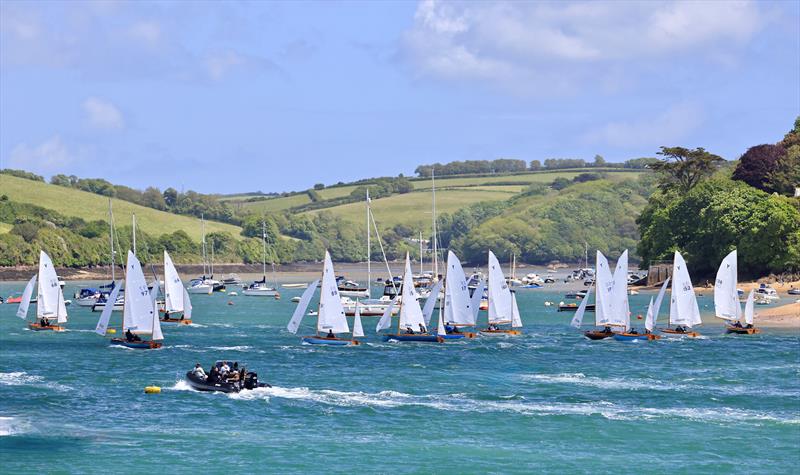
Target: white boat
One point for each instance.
(199, 286)
(684, 312)
(260, 288)
(611, 299)
(458, 306)
(140, 315)
(764, 292)
(503, 316)
(295, 286)
(411, 325)
(176, 297)
(102, 302)
(51, 311)
(331, 319)
(367, 307)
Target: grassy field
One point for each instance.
(89, 206)
(413, 209)
(5, 227)
(485, 183)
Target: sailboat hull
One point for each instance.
(488, 332)
(415, 337)
(635, 336)
(742, 331)
(670, 333)
(176, 320)
(598, 335)
(138, 345)
(321, 340)
(38, 327)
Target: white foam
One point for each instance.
(231, 348)
(604, 383)
(182, 385)
(11, 426)
(19, 378)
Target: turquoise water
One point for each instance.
(549, 401)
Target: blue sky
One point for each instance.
(242, 96)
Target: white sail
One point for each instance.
(577, 320)
(157, 335)
(683, 308)
(386, 319)
(331, 313)
(300, 310)
(603, 285)
(430, 304)
(649, 321)
(187, 305)
(50, 300)
(22, 311)
(726, 299)
(749, 308)
(137, 314)
(457, 301)
(358, 330)
(440, 329)
(154, 289)
(410, 313)
(475, 300)
(619, 294)
(500, 300)
(102, 324)
(174, 293)
(657, 306)
(516, 319)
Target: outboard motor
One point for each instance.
(251, 380)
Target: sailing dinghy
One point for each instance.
(684, 312)
(176, 298)
(726, 298)
(49, 301)
(140, 315)
(411, 324)
(330, 314)
(458, 306)
(504, 315)
(631, 334)
(611, 298)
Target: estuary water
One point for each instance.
(549, 401)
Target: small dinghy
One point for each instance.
(611, 299)
(177, 305)
(50, 299)
(231, 381)
(749, 313)
(503, 318)
(683, 309)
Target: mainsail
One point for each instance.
(174, 292)
(500, 299)
(726, 298)
(410, 313)
(475, 300)
(683, 309)
(137, 313)
(456, 296)
(50, 300)
(603, 285)
(331, 315)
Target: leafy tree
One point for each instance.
(171, 197)
(319, 186)
(599, 161)
(786, 174)
(757, 164)
(536, 165)
(560, 183)
(682, 169)
(153, 198)
(22, 174)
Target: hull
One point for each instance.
(635, 336)
(487, 332)
(86, 302)
(741, 331)
(223, 387)
(260, 292)
(99, 307)
(200, 289)
(321, 340)
(573, 307)
(670, 333)
(598, 335)
(139, 345)
(38, 328)
(176, 320)
(409, 337)
(357, 293)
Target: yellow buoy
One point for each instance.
(152, 390)
(111, 331)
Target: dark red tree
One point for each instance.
(756, 165)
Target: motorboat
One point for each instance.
(199, 286)
(243, 380)
(102, 301)
(232, 279)
(87, 297)
(765, 292)
(349, 288)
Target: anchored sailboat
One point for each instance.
(683, 310)
(411, 324)
(176, 298)
(330, 314)
(140, 315)
(260, 288)
(200, 284)
(503, 310)
(49, 300)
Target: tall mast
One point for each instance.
(133, 217)
(111, 236)
(264, 250)
(369, 248)
(211, 261)
(420, 253)
(203, 221)
(585, 255)
(435, 239)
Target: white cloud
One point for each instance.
(103, 114)
(670, 126)
(551, 45)
(51, 156)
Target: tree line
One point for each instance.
(504, 165)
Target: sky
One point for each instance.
(225, 97)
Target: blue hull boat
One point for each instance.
(453, 336)
(139, 345)
(409, 337)
(320, 340)
(635, 336)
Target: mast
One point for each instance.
(203, 221)
(133, 217)
(586, 255)
(264, 250)
(420, 253)
(435, 250)
(111, 237)
(369, 249)
(211, 262)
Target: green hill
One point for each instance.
(89, 206)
